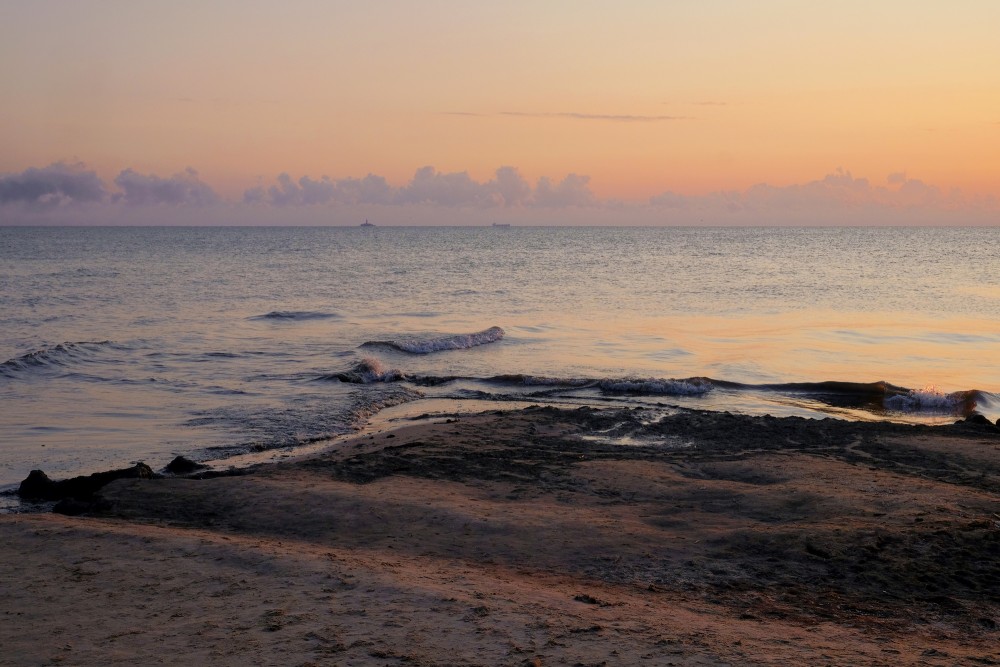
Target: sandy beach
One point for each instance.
(535, 537)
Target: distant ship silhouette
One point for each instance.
(367, 224)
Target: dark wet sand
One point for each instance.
(512, 539)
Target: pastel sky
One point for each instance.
(685, 106)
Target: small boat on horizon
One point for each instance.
(501, 224)
(367, 224)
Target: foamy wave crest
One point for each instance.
(655, 386)
(369, 370)
(365, 409)
(649, 386)
(295, 315)
(928, 399)
(286, 426)
(59, 355)
(439, 344)
(543, 381)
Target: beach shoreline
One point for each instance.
(536, 536)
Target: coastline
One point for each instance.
(537, 536)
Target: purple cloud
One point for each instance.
(837, 197)
(428, 186)
(572, 115)
(573, 190)
(184, 188)
(311, 192)
(58, 183)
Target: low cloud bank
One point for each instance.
(838, 190)
(62, 184)
(428, 186)
(184, 188)
(57, 184)
(837, 198)
(71, 193)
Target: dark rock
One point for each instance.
(38, 486)
(85, 486)
(978, 419)
(74, 507)
(182, 466)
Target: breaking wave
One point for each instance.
(882, 397)
(658, 387)
(930, 400)
(276, 427)
(543, 381)
(367, 371)
(56, 356)
(649, 386)
(365, 409)
(876, 398)
(441, 343)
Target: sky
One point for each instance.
(588, 112)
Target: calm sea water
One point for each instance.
(124, 344)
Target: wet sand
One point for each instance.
(536, 537)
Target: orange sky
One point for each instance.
(642, 96)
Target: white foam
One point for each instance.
(656, 386)
(452, 342)
(928, 399)
(370, 370)
(542, 381)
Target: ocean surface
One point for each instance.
(127, 344)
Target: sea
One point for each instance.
(120, 345)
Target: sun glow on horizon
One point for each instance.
(643, 98)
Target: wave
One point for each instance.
(441, 343)
(56, 356)
(295, 315)
(930, 400)
(877, 398)
(658, 387)
(367, 371)
(366, 408)
(543, 381)
(883, 397)
(262, 428)
(650, 386)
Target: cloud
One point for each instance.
(573, 190)
(56, 184)
(430, 186)
(837, 198)
(305, 192)
(508, 188)
(311, 192)
(670, 199)
(427, 187)
(574, 115)
(371, 189)
(64, 193)
(624, 118)
(184, 188)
